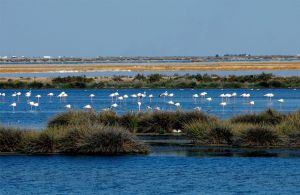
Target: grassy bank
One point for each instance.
(268, 128)
(88, 139)
(106, 133)
(155, 81)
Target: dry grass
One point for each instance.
(25, 68)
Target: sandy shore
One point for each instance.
(210, 66)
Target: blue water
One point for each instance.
(154, 174)
(167, 73)
(22, 115)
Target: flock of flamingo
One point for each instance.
(117, 99)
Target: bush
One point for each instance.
(98, 139)
(209, 132)
(291, 124)
(108, 117)
(221, 133)
(37, 143)
(197, 131)
(267, 117)
(154, 78)
(73, 118)
(10, 139)
(130, 121)
(260, 135)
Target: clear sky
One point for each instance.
(148, 27)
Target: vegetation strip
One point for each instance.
(155, 81)
(106, 133)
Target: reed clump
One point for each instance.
(87, 139)
(268, 128)
(143, 122)
(10, 138)
(269, 116)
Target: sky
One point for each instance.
(87, 28)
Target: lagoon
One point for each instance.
(37, 118)
(284, 73)
(162, 172)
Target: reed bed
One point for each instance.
(156, 81)
(106, 133)
(87, 139)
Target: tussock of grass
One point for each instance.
(210, 132)
(73, 118)
(90, 139)
(144, 122)
(98, 139)
(260, 135)
(10, 138)
(267, 117)
(291, 125)
(78, 132)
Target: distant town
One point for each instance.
(142, 59)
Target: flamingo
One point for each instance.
(251, 103)
(139, 105)
(125, 96)
(14, 95)
(157, 108)
(28, 95)
(177, 105)
(269, 95)
(115, 105)
(223, 104)
(197, 108)
(18, 94)
(50, 95)
(38, 97)
(171, 95)
(222, 96)
(36, 105)
(3, 96)
(87, 107)
(31, 104)
(112, 95)
(150, 97)
(195, 96)
(13, 105)
(203, 94)
(234, 95)
(68, 106)
(92, 96)
(281, 101)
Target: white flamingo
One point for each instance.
(139, 106)
(87, 107)
(13, 105)
(68, 106)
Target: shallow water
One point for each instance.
(164, 172)
(167, 73)
(24, 117)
